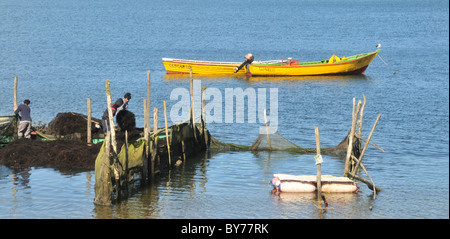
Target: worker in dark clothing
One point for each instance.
(25, 119)
(119, 105)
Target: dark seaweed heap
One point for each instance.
(70, 151)
(64, 155)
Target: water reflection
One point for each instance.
(156, 199)
(343, 79)
(215, 78)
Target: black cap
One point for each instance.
(27, 101)
(127, 95)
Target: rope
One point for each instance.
(386, 64)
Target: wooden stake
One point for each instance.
(126, 164)
(354, 171)
(146, 121)
(89, 124)
(110, 116)
(373, 144)
(113, 139)
(155, 120)
(203, 115)
(148, 102)
(374, 188)
(267, 129)
(155, 142)
(15, 92)
(191, 82)
(361, 114)
(319, 170)
(146, 140)
(350, 138)
(167, 132)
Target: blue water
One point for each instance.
(63, 51)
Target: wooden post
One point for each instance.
(267, 129)
(126, 164)
(365, 146)
(359, 123)
(113, 139)
(148, 102)
(155, 147)
(350, 137)
(155, 142)
(167, 133)
(146, 141)
(110, 116)
(191, 83)
(319, 169)
(146, 125)
(15, 92)
(361, 115)
(89, 124)
(205, 137)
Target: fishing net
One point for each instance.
(274, 141)
(280, 143)
(8, 125)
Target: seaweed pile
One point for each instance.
(63, 155)
(72, 125)
(69, 151)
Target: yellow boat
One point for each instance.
(351, 65)
(179, 66)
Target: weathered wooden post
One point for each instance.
(113, 138)
(354, 171)
(167, 133)
(155, 120)
(89, 124)
(146, 125)
(110, 116)
(203, 116)
(15, 92)
(191, 83)
(155, 142)
(319, 161)
(350, 137)
(16, 127)
(146, 141)
(147, 132)
(148, 101)
(126, 164)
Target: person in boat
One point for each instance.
(25, 119)
(120, 104)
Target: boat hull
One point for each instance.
(353, 66)
(179, 66)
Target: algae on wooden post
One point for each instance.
(103, 186)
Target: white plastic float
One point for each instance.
(307, 183)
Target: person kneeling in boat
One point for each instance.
(120, 104)
(25, 119)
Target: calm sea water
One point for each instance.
(63, 51)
